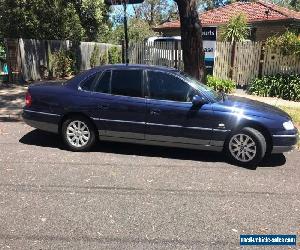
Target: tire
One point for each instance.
(246, 147)
(78, 133)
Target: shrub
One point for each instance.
(62, 64)
(284, 86)
(288, 43)
(114, 55)
(220, 85)
(95, 57)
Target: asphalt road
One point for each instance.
(122, 196)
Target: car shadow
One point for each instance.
(45, 139)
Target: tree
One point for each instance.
(236, 29)
(53, 19)
(191, 39)
(155, 12)
(138, 31)
(292, 4)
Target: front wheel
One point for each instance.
(78, 134)
(246, 147)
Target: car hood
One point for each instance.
(250, 107)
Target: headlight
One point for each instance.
(288, 125)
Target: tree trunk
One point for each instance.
(191, 39)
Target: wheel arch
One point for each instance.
(71, 114)
(259, 127)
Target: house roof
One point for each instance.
(255, 12)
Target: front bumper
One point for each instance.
(285, 141)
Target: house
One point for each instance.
(264, 19)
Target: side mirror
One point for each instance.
(199, 100)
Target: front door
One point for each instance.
(171, 116)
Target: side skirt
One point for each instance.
(216, 146)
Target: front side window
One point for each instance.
(164, 86)
(127, 82)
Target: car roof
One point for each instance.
(135, 66)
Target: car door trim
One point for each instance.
(154, 124)
(41, 113)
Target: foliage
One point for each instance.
(95, 57)
(155, 12)
(291, 4)
(114, 55)
(284, 86)
(2, 53)
(288, 43)
(220, 85)
(236, 29)
(83, 20)
(61, 63)
(138, 31)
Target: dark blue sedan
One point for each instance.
(157, 106)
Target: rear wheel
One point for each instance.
(78, 133)
(246, 147)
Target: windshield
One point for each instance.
(207, 91)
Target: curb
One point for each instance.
(10, 117)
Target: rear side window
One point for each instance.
(127, 83)
(88, 84)
(103, 84)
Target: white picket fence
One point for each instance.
(248, 61)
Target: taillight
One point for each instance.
(28, 99)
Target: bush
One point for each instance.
(288, 43)
(95, 57)
(114, 55)
(220, 85)
(284, 86)
(62, 64)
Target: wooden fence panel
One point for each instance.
(246, 62)
(222, 60)
(275, 63)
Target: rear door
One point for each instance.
(121, 107)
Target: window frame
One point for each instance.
(147, 85)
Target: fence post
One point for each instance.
(176, 54)
(123, 51)
(232, 60)
(261, 60)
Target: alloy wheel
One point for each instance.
(242, 147)
(78, 134)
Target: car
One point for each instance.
(157, 106)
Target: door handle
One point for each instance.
(155, 112)
(104, 106)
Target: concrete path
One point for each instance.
(12, 99)
(270, 100)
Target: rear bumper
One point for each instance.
(40, 120)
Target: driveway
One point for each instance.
(122, 196)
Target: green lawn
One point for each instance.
(294, 113)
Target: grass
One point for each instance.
(295, 114)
